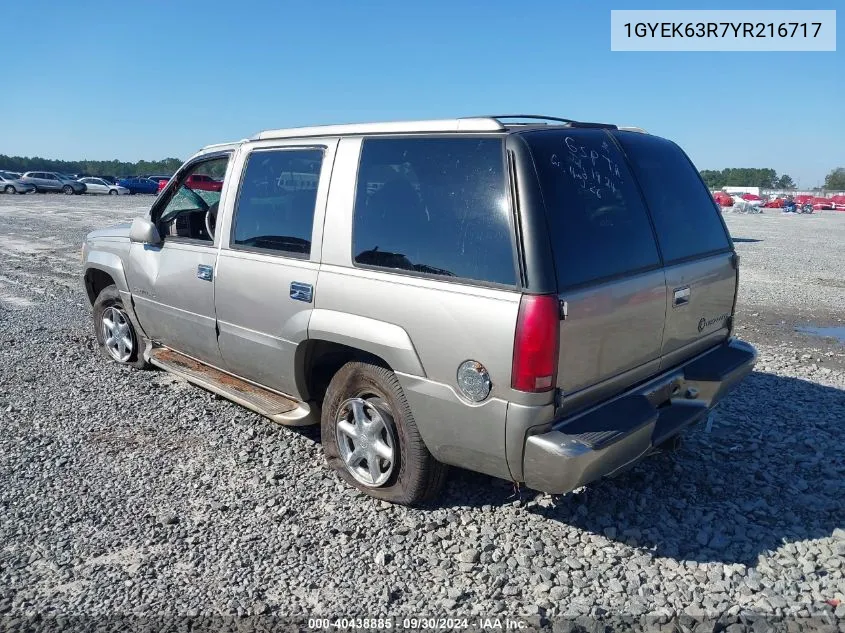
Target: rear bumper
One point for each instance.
(612, 436)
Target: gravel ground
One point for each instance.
(131, 492)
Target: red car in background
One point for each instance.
(820, 204)
(723, 199)
(774, 203)
(203, 183)
(199, 182)
(838, 202)
(751, 197)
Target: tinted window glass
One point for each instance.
(685, 217)
(598, 224)
(275, 209)
(436, 206)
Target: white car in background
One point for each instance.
(98, 185)
(744, 205)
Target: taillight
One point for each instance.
(535, 346)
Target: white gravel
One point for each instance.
(127, 492)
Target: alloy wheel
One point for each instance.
(118, 337)
(365, 440)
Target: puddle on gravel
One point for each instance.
(837, 331)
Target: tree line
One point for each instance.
(765, 179)
(114, 168)
(713, 178)
(746, 177)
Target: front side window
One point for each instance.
(598, 225)
(190, 212)
(434, 206)
(686, 220)
(275, 207)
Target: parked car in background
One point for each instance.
(774, 203)
(158, 178)
(197, 182)
(723, 199)
(838, 203)
(10, 182)
(202, 182)
(52, 181)
(98, 185)
(741, 200)
(821, 204)
(138, 185)
(552, 341)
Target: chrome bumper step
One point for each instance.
(613, 436)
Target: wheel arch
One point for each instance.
(101, 270)
(336, 338)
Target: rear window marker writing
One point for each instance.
(603, 171)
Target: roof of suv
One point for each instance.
(490, 123)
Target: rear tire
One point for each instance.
(9, 189)
(409, 475)
(68, 190)
(117, 336)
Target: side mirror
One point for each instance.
(144, 232)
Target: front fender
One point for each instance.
(109, 263)
(385, 340)
(112, 264)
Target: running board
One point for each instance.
(268, 403)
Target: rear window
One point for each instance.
(434, 206)
(598, 224)
(685, 218)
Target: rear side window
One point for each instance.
(435, 206)
(686, 220)
(275, 208)
(598, 225)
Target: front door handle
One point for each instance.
(301, 291)
(205, 272)
(682, 296)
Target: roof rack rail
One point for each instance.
(531, 117)
(543, 118)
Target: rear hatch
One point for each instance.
(607, 264)
(644, 263)
(700, 265)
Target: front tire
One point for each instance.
(68, 190)
(116, 334)
(371, 439)
(112, 192)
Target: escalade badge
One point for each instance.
(704, 323)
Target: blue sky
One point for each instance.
(103, 80)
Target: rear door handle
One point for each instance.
(205, 272)
(682, 296)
